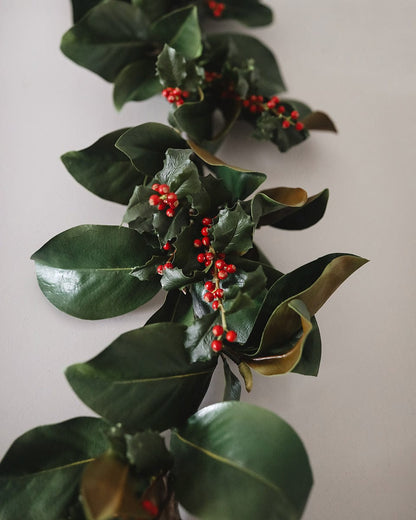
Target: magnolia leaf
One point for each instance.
(43, 467)
(238, 181)
(81, 7)
(294, 216)
(109, 37)
(145, 145)
(232, 391)
(246, 374)
(180, 30)
(85, 271)
(313, 284)
(136, 82)
(176, 309)
(250, 447)
(287, 361)
(148, 366)
(153, 9)
(276, 200)
(310, 360)
(147, 452)
(319, 121)
(233, 231)
(104, 170)
(195, 118)
(249, 12)
(242, 46)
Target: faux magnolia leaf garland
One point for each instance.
(189, 226)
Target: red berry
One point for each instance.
(206, 241)
(299, 126)
(163, 189)
(168, 265)
(216, 345)
(231, 268)
(208, 297)
(275, 99)
(167, 246)
(162, 205)
(176, 91)
(208, 263)
(294, 114)
(197, 243)
(222, 275)
(246, 103)
(281, 109)
(205, 231)
(201, 258)
(159, 269)
(154, 200)
(155, 187)
(253, 108)
(209, 256)
(285, 124)
(171, 197)
(207, 221)
(150, 507)
(171, 98)
(215, 305)
(165, 92)
(217, 330)
(271, 104)
(212, 5)
(221, 256)
(231, 336)
(174, 204)
(219, 293)
(209, 286)
(180, 102)
(185, 94)
(220, 264)
(170, 212)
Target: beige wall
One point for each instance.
(354, 59)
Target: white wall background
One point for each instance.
(354, 59)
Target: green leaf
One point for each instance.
(249, 12)
(307, 215)
(39, 475)
(153, 9)
(232, 391)
(171, 67)
(199, 337)
(180, 30)
(176, 309)
(176, 279)
(139, 213)
(143, 379)
(80, 7)
(250, 447)
(85, 271)
(147, 452)
(136, 82)
(145, 145)
(103, 169)
(109, 37)
(269, 127)
(238, 181)
(233, 232)
(242, 47)
(195, 118)
(311, 355)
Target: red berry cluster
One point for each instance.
(274, 105)
(254, 104)
(210, 76)
(217, 8)
(166, 200)
(218, 331)
(150, 507)
(175, 95)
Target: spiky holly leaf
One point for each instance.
(233, 231)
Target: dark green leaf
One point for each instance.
(269, 127)
(85, 271)
(176, 279)
(136, 82)
(139, 213)
(180, 30)
(195, 118)
(249, 12)
(305, 216)
(238, 181)
(232, 391)
(311, 356)
(147, 452)
(104, 170)
(143, 379)
(153, 9)
(146, 145)
(107, 38)
(251, 448)
(177, 309)
(171, 67)
(233, 232)
(80, 7)
(243, 47)
(39, 475)
(199, 338)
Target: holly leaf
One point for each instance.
(175, 278)
(199, 337)
(176, 309)
(149, 366)
(139, 213)
(269, 128)
(146, 145)
(104, 170)
(239, 182)
(233, 442)
(171, 67)
(180, 30)
(136, 82)
(85, 271)
(43, 467)
(110, 36)
(233, 231)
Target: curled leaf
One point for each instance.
(246, 374)
(319, 121)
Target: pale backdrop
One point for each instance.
(354, 59)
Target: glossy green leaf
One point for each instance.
(136, 82)
(176, 279)
(195, 118)
(146, 145)
(199, 337)
(143, 379)
(171, 67)
(85, 271)
(81, 7)
(40, 473)
(249, 12)
(177, 308)
(147, 452)
(310, 360)
(242, 47)
(232, 391)
(152, 9)
(104, 170)
(109, 37)
(241, 183)
(180, 30)
(233, 231)
(257, 461)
